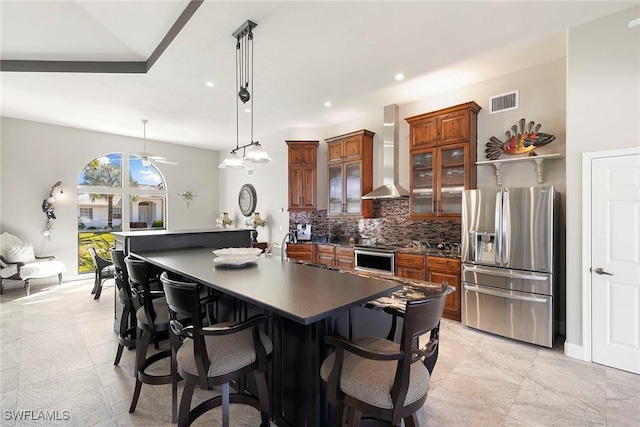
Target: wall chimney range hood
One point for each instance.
(390, 188)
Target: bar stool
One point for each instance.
(103, 270)
(215, 355)
(152, 321)
(127, 330)
(385, 380)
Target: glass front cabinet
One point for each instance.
(442, 160)
(350, 174)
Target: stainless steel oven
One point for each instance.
(375, 259)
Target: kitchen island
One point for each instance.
(303, 302)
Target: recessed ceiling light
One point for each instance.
(210, 84)
(247, 110)
(634, 23)
(327, 104)
(399, 76)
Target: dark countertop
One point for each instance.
(396, 301)
(148, 232)
(300, 293)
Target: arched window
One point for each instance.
(101, 192)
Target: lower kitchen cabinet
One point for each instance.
(325, 254)
(345, 257)
(447, 269)
(301, 251)
(411, 266)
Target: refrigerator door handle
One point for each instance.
(506, 229)
(482, 290)
(498, 221)
(494, 272)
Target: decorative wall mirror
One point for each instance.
(247, 200)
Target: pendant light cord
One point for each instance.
(253, 95)
(238, 59)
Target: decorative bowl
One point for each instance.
(238, 254)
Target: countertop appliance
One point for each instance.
(508, 248)
(303, 232)
(378, 259)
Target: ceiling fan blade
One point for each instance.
(163, 160)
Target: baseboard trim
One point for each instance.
(575, 352)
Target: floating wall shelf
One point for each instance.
(539, 160)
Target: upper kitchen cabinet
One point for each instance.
(303, 175)
(442, 160)
(350, 174)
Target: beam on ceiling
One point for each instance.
(127, 67)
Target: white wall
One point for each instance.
(603, 113)
(37, 155)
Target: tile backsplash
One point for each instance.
(390, 225)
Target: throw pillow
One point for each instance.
(20, 253)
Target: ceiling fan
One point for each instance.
(148, 158)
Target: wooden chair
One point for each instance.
(103, 270)
(386, 381)
(209, 356)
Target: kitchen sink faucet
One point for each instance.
(283, 248)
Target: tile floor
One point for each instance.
(57, 348)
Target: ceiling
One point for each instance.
(306, 53)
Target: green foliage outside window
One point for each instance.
(103, 242)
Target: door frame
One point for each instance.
(587, 159)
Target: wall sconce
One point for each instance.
(224, 221)
(255, 221)
(48, 206)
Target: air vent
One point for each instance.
(503, 102)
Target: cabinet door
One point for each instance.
(353, 185)
(334, 151)
(309, 155)
(345, 257)
(452, 303)
(410, 272)
(351, 149)
(336, 190)
(453, 127)
(424, 134)
(452, 162)
(325, 254)
(308, 185)
(295, 188)
(422, 183)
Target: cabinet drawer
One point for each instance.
(301, 251)
(439, 263)
(325, 249)
(344, 252)
(410, 260)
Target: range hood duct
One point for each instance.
(390, 188)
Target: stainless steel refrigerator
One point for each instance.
(508, 249)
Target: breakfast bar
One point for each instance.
(303, 302)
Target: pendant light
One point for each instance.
(253, 151)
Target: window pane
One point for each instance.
(142, 177)
(96, 211)
(147, 212)
(105, 171)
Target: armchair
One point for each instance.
(18, 262)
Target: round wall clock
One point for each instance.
(247, 199)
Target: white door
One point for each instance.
(615, 262)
